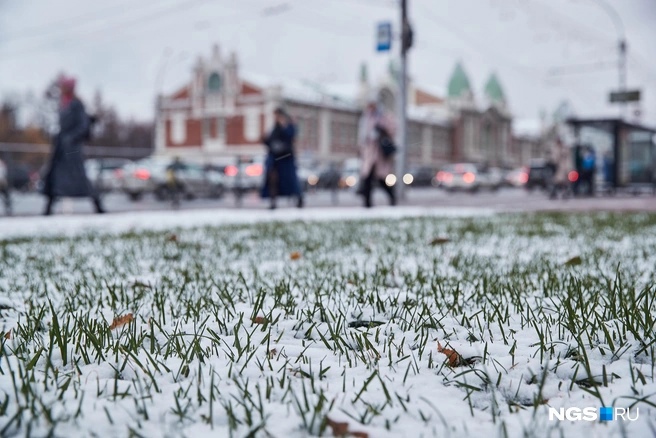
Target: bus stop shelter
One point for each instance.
(627, 150)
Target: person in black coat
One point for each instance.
(280, 166)
(66, 175)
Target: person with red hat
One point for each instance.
(66, 175)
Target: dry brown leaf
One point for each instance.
(360, 434)
(272, 353)
(172, 238)
(8, 334)
(440, 241)
(455, 360)
(295, 255)
(574, 261)
(120, 321)
(339, 428)
(260, 320)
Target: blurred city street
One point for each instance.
(503, 200)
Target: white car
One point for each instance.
(245, 175)
(350, 178)
(106, 174)
(142, 176)
(467, 177)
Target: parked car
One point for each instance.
(491, 177)
(246, 174)
(307, 177)
(517, 177)
(328, 176)
(106, 174)
(539, 175)
(467, 177)
(195, 182)
(142, 176)
(350, 176)
(150, 176)
(18, 177)
(420, 176)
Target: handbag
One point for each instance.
(386, 144)
(280, 148)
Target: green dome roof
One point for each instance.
(459, 82)
(493, 90)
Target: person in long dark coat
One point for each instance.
(281, 178)
(66, 175)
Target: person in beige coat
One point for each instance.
(375, 166)
(562, 157)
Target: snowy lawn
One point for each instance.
(416, 326)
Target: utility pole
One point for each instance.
(622, 75)
(406, 43)
(622, 48)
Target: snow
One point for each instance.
(12, 227)
(198, 284)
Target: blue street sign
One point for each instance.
(384, 36)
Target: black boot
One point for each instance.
(300, 202)
(98, 205)
(49, 204)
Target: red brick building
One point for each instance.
(222, 112)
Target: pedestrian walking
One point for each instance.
(174, 183)
(375, 133)
(561, 159)
(66, 176)
(281, 178)
(4, 188)
(589, 169)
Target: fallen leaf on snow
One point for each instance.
(295, 255)
(172, 238)
(574, 261)
(455, 360)
(341, 429)
(8, 335)
(272, 353)
(440, 241)
(260, 320)
(120, 321)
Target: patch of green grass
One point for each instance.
(231, 333)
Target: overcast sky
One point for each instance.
(543, 51)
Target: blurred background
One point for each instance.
(491, 85)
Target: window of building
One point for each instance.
(178, 128)
(252, 125)
(214, 83)
(221, 128)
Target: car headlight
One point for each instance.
(390, 180)
(408, 179)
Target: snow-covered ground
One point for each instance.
(163, 220)
(390, 322)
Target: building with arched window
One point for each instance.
(222, 111)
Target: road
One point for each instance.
(507, 200)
